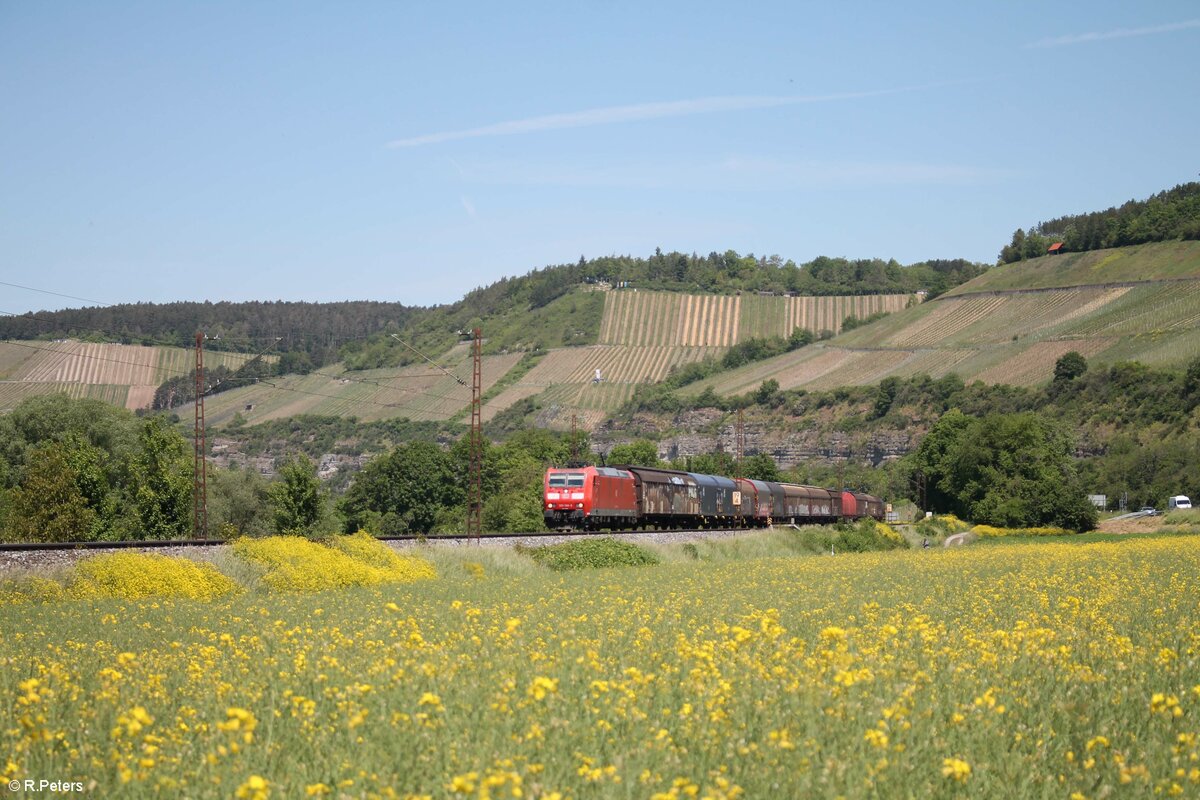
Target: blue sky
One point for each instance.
(412, 151)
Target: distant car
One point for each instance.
(1149, 511)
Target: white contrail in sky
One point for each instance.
(1119, 33)
(632, 113)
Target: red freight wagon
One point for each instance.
(856, 505)
(589, 497)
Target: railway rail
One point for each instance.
(412, 537)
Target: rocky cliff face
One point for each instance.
(701, 431)
(790, 449)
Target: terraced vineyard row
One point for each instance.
(1035, 363)
(1159, 349)
(660, 318)
(416, 392)
(84, 362)
(616, 364)
(778, 316)
(125, 375)
(1147, 309)
(13, 392)
(567, 376)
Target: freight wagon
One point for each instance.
(628, 497)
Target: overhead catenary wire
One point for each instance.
(165, 370)
(56, 294)
(252, 359)
(427, 358)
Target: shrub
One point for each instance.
(991, 532)
(591, 554)
(864, 536)
(297, 564)
(136, 575)
(942, 525)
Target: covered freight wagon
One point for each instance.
(719, 506)
(665, 497)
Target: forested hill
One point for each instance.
(312, 332)
(729, 273)
(1173, 214)
(320, 333)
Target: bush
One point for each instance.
(866, 535)
(136, 575)
(991, 532)
(591, 554)
(297, 564)
(942, 525)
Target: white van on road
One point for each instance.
(1179, 501)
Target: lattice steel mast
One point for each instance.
(200, 468)
(739, 443)
(475, 474)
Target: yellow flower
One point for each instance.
(542, 686)
(463, 784)
(877, 738)
(256, 787)
(956, 768)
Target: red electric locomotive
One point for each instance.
(589, 498)
(625, 497)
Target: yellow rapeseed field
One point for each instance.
(1042, 669)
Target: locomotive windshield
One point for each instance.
(566, 479)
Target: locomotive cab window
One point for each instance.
(566, 479)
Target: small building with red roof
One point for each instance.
(1055, 248)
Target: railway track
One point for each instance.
(149, 544)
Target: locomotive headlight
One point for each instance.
(579, 505)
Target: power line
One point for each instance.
(252, 359)
(427, 358)
(56, 294)
(68, 354)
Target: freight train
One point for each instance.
(624, 497)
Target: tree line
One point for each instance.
(1002, 455)
(1172, 214)
(311, 335)
(305, 333)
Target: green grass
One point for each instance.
(1093, 537)
(994, 672)
(595, 553)
(1155, 261)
